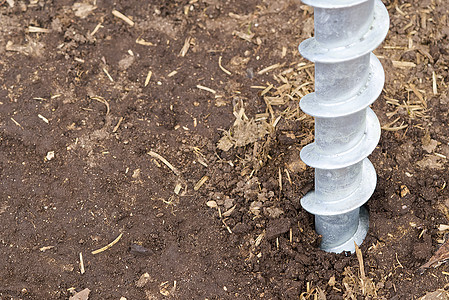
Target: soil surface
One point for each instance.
(171, 131)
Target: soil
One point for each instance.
(194, 170)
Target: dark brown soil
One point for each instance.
(219, 225)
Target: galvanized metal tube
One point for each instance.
(348, 78)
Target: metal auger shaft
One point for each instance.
(348, 78)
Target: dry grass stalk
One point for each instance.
(34, 29)
(107, 74)
(200, 183)
(169, 165)
(419, 95)
(99, 25)
(434, 83)
(123, 17)
(206, 89)
(116, 127)
(387, 127)
(272, 67)
(266, 90)
(361, 266)
(358, 286)
(17, 123)
(82, 270)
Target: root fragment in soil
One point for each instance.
(104, 101)
(222, 68)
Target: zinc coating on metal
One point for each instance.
(348, 78)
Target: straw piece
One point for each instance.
(147, 80)
(206, 89)
(123, 17)
(108, 245)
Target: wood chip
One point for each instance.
(284, 51)
(244, 36)
(143, 42)
(45, 248)
(143, 280)
(108, 245)
(440, 256)
(173, 73)
(178, 188)
(403, 64)
(122, 17)
(186, 47)
(34, 29)
(443, 227)
(83, 295)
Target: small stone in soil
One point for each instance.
(277, 227)
(139, 250)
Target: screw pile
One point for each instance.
(348, 78)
